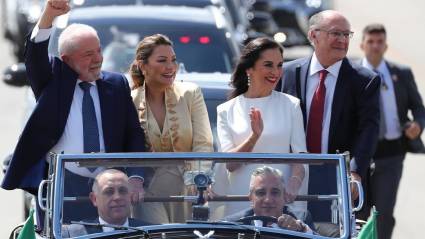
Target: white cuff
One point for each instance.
(40, 35)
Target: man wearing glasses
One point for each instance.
(340, 104)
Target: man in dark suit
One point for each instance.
(340, 104)
(398, 134)
(79, 107)
(266, 193)
(111, 196)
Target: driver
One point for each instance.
(111, 196)
(266, 193)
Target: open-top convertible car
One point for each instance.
(193, 195)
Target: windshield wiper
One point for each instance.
(116, 227)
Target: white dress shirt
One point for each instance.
(110, 229)
(330, 83)
(72, 139)
(392, 122)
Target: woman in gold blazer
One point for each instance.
(175, 119)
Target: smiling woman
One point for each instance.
(174, 117)
(259, 119)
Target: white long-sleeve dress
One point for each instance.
(283, 133)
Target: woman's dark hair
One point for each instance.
(143, 52)
(250, 54)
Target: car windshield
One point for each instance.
(184, 192)
(200, 50)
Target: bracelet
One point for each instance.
(297, 177)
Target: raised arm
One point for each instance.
(38, 66)
(52, 9)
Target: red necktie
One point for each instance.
(315, 118)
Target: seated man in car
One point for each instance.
(111, 196)
(266, 193)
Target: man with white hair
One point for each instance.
(266, 193)
(80, 109)
(340, 104)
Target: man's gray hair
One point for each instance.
(95, 187)
(315, 20)
(313, 24)
(68, 38)
(263, 171)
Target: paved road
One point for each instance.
(11, 105)
(405, 30)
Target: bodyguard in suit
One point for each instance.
(398, 134)
(340, 103)
(111, 196)
(79, 107)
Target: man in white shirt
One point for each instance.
(80, 109)
(340, 104)
(111, 196)
(398, 133)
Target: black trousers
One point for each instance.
(384, 183)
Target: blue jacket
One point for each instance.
(53, 83)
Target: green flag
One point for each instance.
(369, 230)
(28, 231)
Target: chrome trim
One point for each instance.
(40, 198)
(361, 195)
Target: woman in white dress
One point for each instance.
(259, 119)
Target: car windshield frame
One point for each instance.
(58, 161)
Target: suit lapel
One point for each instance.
(106, 99)
(94, 229)
(338, 102)
(248, 213)
(301, 76)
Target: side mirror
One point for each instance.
(263, 22)
(15, 75)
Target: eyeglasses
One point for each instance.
(337, 34)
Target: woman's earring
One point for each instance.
(249, 79)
